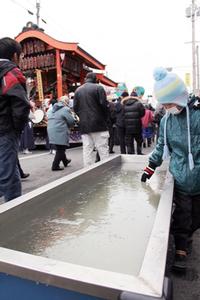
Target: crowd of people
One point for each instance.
(174, 124)
(107, 120)
(121, 120)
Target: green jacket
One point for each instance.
(186, 180)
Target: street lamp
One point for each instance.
(191, 12)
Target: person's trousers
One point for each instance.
(111, 138)
(10, 183)
(99, 140)
(121, 136)
(60, 156)
(130, 143)
(21, 172)
(185, 219)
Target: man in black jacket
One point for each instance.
(133, 113)
(14, 111)
(119, 108)
(90, 104)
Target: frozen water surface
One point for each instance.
(102, 221)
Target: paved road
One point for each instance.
(186, 286)
(38, 164)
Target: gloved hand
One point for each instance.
(148, 172)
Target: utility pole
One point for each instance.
(197, 54)
(193, 47)
(192, 12)
(38, 11)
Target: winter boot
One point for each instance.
(180, 261)
(66, 162)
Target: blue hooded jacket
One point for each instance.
(60, 120)
(186, 180)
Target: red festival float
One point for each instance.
(57, 68)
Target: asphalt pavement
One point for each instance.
(38, 164)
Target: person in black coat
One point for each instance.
(120, 124)
(90, 104)
(133, 112)
(111, 123)
(159, 113)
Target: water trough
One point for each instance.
(98, 233)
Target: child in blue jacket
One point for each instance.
(179, 139)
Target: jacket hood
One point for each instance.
(90, 80)
(91, 77)
(57, 106)
(129, 100)
(5, 66)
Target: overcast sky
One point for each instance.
(131, 37)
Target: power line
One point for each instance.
(20, 5)
(51, 21)
(57, 27)
(28, 10)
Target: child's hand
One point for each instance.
(148, 172)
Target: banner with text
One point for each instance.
(39, 85)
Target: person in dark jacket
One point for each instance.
(27, 139)
(120, 123)
(90, 104)
(159, 113)
(14, 112)
(133, 113)
(111, 123)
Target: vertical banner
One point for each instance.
(39, 85)
(187, 79)
(59, 74)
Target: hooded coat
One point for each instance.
(90, 104)
(133, 112)
(60, 120)
(186, 180)
(14, 104)
(119, 115)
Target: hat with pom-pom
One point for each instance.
(169, 88)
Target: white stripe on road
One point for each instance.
(42, 154)
(34, 155)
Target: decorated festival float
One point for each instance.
(57, 68)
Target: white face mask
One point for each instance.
(173, 110)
